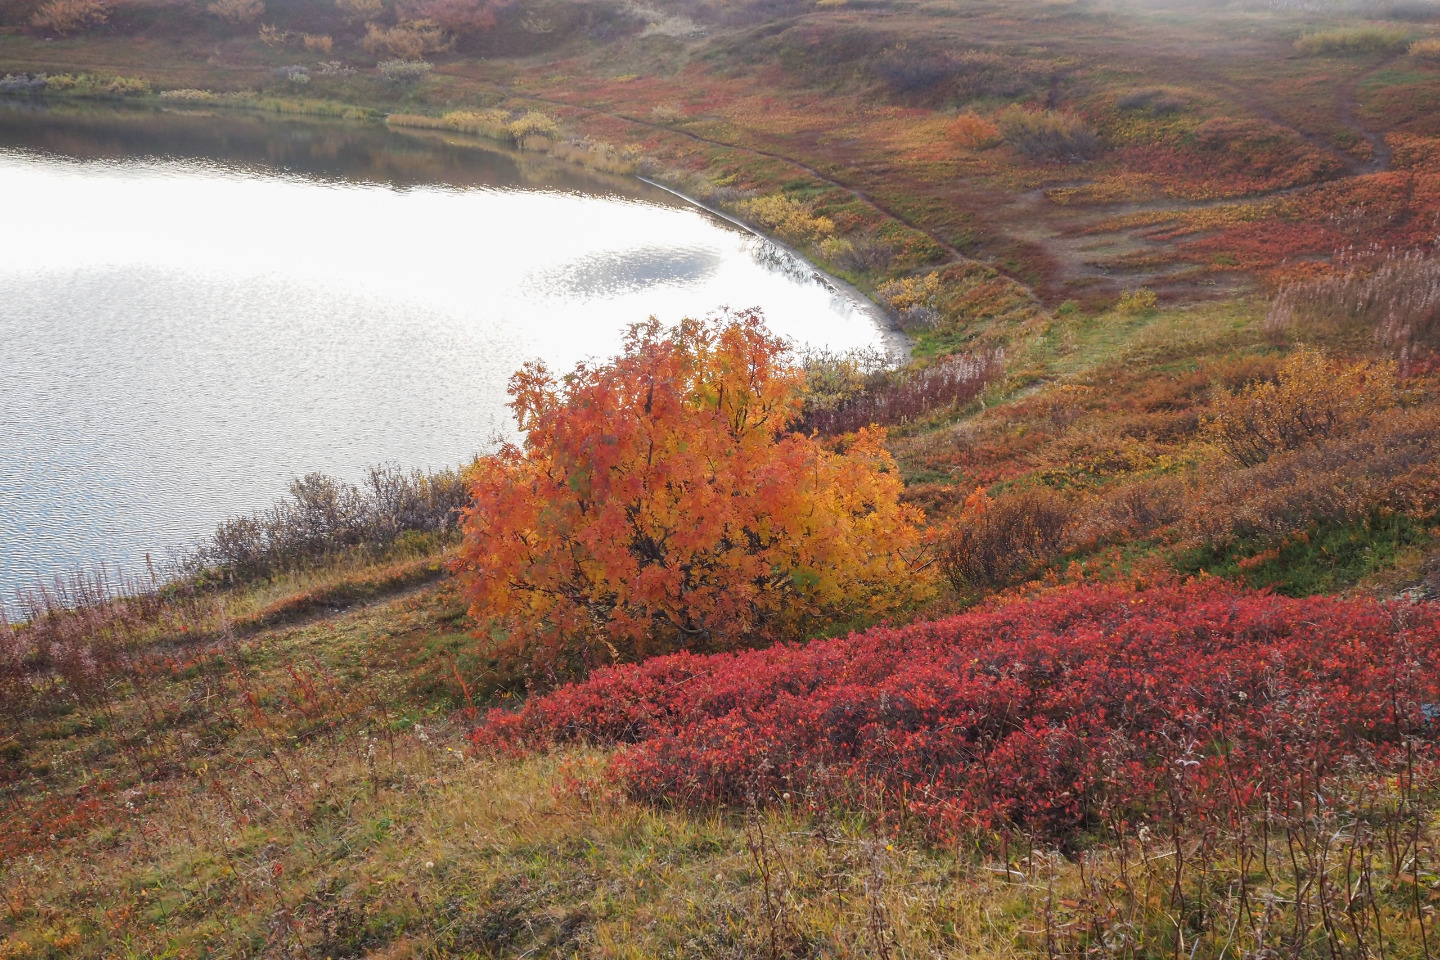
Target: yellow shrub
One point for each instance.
(405, 41)
(317, 44)
(907, 292)
(1141, 300)
(1310, 399)
(534, 124)
(790, 219)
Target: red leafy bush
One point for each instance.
(1080, 710)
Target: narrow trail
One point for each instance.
(1345, 113)
(1381, 154)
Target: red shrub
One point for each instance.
(1080, 709)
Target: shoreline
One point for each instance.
(894, 340)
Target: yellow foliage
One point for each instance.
(1310, 399)
(494, 124)
(789, 219)
(1427, 49)
(406, 41)
(534, 124)
(908, 293)
(1138, 301)
(317, 44)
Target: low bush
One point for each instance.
(833, 377)
(1428, 49)
(894, 397)
(1388, 464)
(317, 43)
(403, 71)
(405, 42)
(1130, 511)
(1312, 398)
(23, 83)
(1139, 301)
(459, 17)
(533, 123)
(97, 85)
(66, 17)
(1047, 135)
(1158, 102)
(859, 254)
(1088, 709)
(791, 220)
(293, 74)
(1000, 541)
(1347, 41)
(974, 132)
(914, 301)
(323, 517)
(238, 11)
(189, 95)
(922, 76)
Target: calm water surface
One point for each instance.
(195, 310)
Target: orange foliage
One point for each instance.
(974, 132)
(661, 502)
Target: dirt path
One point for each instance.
(1381, 153)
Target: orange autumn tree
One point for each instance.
(661, 502)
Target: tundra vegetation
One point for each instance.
(1103, 625)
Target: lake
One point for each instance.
(194, 309)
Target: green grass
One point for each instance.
(1325, 558)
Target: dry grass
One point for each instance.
(1047, 135)
(1349, 41)
(308, 793)
(1395, 303)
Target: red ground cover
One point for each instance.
(1080, 709)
